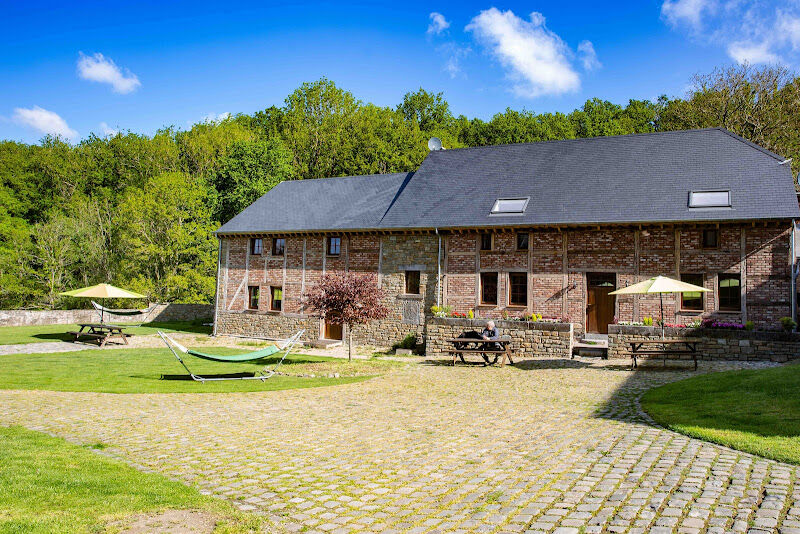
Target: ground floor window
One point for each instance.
(276, 301)
(253, 293)
(412, 282)
(692, 301)
(334, 246)
(518, 289)
(489, 288)
(730, 293)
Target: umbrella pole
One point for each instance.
(102, 310)
(661, 301)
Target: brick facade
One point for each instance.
(556, 262)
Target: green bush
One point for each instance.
(408, 342)
(788, 324)
(749, 326)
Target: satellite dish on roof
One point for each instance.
(434, 143)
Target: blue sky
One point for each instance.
(80, 67)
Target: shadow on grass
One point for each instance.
(56, 336)
(207, 376)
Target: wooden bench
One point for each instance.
(645, 348)
(481, 346)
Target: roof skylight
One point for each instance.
(710, 199)
(510, 206)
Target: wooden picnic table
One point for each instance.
(484, 347)
(101, 332)
(646, 347)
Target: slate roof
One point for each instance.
(641, 178)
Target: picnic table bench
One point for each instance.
(484, 347)
(101, 332)
(647, 347)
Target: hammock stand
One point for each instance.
(125, 313)
(262, 374)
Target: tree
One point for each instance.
(164, 239)
(761, 104)
(430, 111)
(247, 171)
(348, 299)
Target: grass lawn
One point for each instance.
(14, 335)
(756, 411)
(48, 485)
(141, 371)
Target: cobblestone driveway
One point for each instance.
(556, 446)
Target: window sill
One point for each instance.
(487, 305)
(410, 296)
(729, 312)
(516, 306)
(692, 312)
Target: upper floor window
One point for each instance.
(412, 282)
(486, 241)
(278, 246)
(522, 241)
(334, 246)
(256, 246)
(710, 238)
(509, 206)
(710, 199)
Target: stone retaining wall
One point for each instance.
(713, 344)
(553, 340)
(266, 325)
(164, 312)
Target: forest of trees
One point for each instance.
(138, 211)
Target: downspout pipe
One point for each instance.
(795, 272)
(216, 285)
(438, 268)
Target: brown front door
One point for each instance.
(599, 304)
(333, 331)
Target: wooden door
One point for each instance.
(333, 331)
(599, 304)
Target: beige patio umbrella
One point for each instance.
(660, 285)
(103, 291)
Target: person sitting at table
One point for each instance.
(490, 333)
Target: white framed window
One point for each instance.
(709, 199)
(509, 206)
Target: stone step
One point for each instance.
(597, 349)
(326, 343)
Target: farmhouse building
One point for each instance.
(550, 228)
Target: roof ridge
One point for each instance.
(583, 139)
(387, 174)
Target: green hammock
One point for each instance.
(265, 373)
(246, 357)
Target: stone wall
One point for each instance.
(544, 340)
(267, 325)
(713, 344)
(162, 313)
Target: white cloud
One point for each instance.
(98, 68)
(438, 24)
(453, 54)
(678, 12)
(108, 130)
(753, 31)
(588, 56)
(44, 121)
(216, 117)
(535, 58)
(744, 52)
